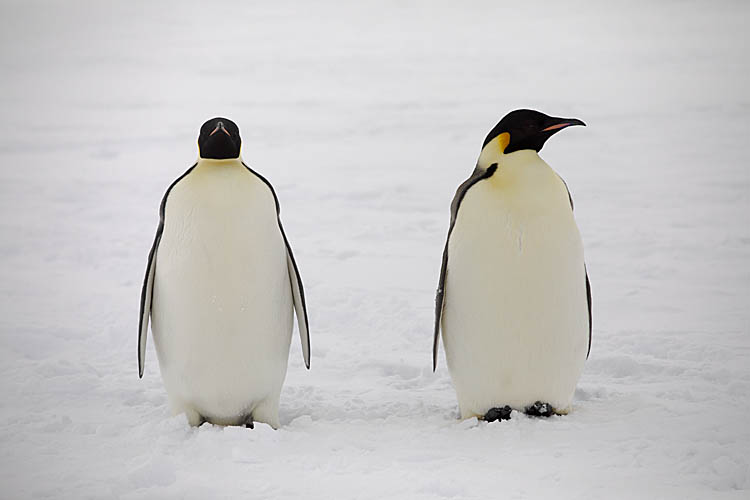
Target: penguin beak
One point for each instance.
(557, 124)
(219, 127)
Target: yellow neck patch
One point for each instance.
(502, 141)
(493, 151)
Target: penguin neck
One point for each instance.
(492, 154)
(214, 163)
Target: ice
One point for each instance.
(366, 116)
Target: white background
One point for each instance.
(366, 117)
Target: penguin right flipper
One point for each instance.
(147, 291)
(298, 290)
(146, 294)
(477, 175)
(588, 299)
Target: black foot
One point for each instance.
(498, 414)
(539, 409)
(248, 422)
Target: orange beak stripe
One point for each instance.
(223, 130)
(555, 127)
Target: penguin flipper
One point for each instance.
(585, 272)
(588, 299)
(477, 175)
(439, 298)
(146, 295)
(298, 294)
(298, 291)
(147, 291)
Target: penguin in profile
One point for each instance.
(220, 288)
(513, 299)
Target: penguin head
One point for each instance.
(525, 129)
(219, 139)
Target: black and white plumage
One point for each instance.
(220, 288)
(514, 300)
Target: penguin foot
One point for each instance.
(498, 414)
(247, 421)
(539, 409)
(194, 418)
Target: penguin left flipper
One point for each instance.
(477, 175)
(298, 294)
(585, 272)
(298, 291)
(147, 290)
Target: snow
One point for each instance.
(366, 117)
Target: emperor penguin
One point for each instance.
(220, 288)
(513, 298)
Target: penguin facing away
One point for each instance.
(513, 298)
(220, 288)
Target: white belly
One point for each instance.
(515, 319)
(222, 305)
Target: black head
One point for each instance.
(528, 129)
(219, 139)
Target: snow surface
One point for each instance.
(366, 116)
